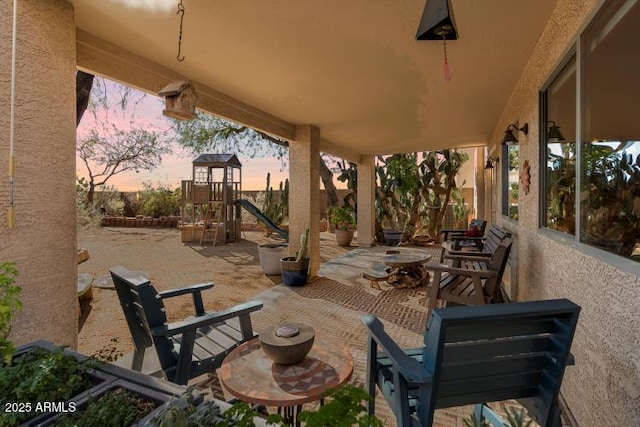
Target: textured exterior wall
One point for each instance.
(603, 388)
(43, 242)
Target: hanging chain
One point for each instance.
(444, 48)
(447, 74)
(180, 11)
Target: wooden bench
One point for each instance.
(474, 355)
(380, 274)
(479, 224)
(482, 247)
(470, 286)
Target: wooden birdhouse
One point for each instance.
(180, 100)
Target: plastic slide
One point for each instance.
(253, 210)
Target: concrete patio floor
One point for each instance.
(332, 303)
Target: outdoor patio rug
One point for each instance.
(340, 282)
(401, 307)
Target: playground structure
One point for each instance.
(211, 202)
(208, 211)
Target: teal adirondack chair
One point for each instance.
(474, 355)
(187, 348)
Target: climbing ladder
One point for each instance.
(212, 221)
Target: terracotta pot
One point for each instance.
(344, 237)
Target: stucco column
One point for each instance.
(366, 201)
(304, 192)
(43, 241)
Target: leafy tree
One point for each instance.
(107, 149)
(212, 133)
(209, 133)
(114, 151)
(92, 94)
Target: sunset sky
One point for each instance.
(176, 167)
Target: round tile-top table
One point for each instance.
(404, 258)
(248, 374)
(407, 268)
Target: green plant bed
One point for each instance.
(343, 407)
(43, 382)
(183, 411)
(117, 407)
(39, 375)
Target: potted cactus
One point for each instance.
(295, 269)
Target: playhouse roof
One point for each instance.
(217, 160)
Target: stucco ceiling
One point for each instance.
(352, 68)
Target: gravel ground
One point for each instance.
(169, 263)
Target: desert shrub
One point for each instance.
(86, 215)
(111, 200)
(158, 202)
(132, 202)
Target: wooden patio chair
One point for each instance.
(187, 348)
(488, 243)
(474, 355)
(480, 224)
(477, 284)
(455, 238)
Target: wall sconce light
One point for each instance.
(553, 134)
(491, 161)
(509, 137)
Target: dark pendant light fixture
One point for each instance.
(509, 137)
(553, 134)
(437, 22)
